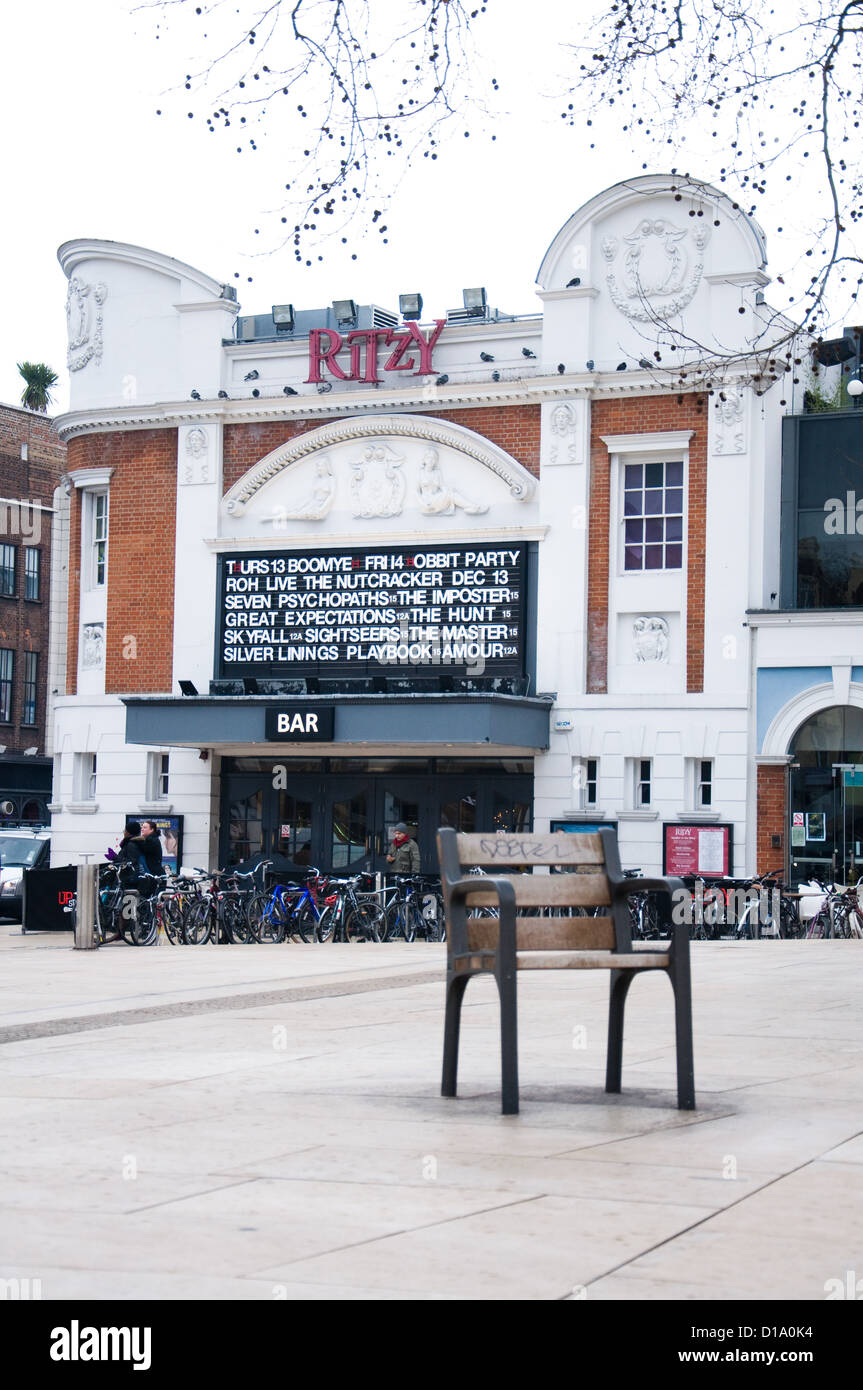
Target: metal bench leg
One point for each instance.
(508, 1044)
(680, 981)
(455, 988)
(620, 982)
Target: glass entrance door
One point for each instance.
(343, 820)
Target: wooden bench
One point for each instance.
(502, 945)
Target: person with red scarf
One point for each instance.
(404, 854)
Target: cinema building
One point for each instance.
(336, 569)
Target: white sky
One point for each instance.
(85, 155)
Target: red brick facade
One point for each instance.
(772, 816)
(645, 415)
(141, 538)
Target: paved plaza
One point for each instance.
(265, 1122)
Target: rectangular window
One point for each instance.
(31, 672)
(7, 667)
(584, 782)
(642, 782)
(158, 765)
(704, 784)
(100, 539)
(653, 516)
(89, 777)
(32, 571)
(7, 571)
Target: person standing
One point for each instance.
(404, 854)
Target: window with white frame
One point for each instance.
(7, 571)
(701, 784)
(158, 776)
(98, 539)
(585, 781)
(30, 695)
(85, 776)
(639, 779)
(652, 515)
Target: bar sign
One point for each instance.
(300, 724)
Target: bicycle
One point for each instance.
(349, 918)
(404, 914)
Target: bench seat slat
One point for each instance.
(546, 934)
(550, 890)
(518, 850)
(592, 960)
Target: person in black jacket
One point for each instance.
(149, 848)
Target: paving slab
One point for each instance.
(265, 1123)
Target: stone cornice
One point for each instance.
(309, 405)
(478, 536)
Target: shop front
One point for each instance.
(340, 813)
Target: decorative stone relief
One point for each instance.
(662, 268)
(84, 322)
(318, 503)
(437, 498)
(729, 424)
(650, 639)
(195, 463)
(93, 647)
(564, 440)
(378, 486)
(520, 483)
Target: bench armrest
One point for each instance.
(672, 888)
(455, 893)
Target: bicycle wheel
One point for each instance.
(413, 919)
(364, 923)
(303, 922)
(197, 926)
(394, 927)
(326, 924)
(145, 926)
(232, 919)
(172, 917)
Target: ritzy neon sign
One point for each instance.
(410, 345)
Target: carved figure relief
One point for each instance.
(564, 446)
(378, 484)
(318, 503)
(650, 639)
(729, 423)
(662, 268)
(195, 467)
(84, 322)
(436, 497)
(93, 647)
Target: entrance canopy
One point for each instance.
(421, 723)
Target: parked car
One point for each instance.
(20, 850)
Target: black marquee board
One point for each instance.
(454, 608)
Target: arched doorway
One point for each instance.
(826, 795)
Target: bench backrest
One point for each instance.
(591, 866)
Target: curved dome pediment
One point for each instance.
(686, 201)
(381, 473)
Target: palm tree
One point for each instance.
(39, 378)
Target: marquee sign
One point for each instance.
(455, 608)
(291, 724)
(410, 347)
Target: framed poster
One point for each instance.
(703, 851)
(171, 835)
(816, 825)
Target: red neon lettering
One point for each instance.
(65, 896)
(318, 354)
